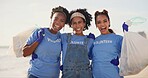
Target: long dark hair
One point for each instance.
(104, 12)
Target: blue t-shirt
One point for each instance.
(75, 39)
(48, 52)
(107, 47)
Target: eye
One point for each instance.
(98, 22)
(105, 20)
(79, 22)
(62, 20)
(56, 18)
(73, 23)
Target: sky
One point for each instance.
(19, 15)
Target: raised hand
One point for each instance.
(40, 35)
(125, 27)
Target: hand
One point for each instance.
(34, 56)
(92, 36)
(61, 67)
(115, 61)
(40, 35)
(125, 27)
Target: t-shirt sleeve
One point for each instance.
(33, 37)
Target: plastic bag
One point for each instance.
(134, 54)
(19, 40)
(136, 21)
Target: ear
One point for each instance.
(84, 24)
(71, 26)
(109, 23)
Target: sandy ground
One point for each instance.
(12, 67)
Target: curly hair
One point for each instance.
(62, 10)
(87, 20)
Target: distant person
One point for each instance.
(77, 46)
(45, 46)
(106, 50)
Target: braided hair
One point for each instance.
(62, 10)
(87, 20)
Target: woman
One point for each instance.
(45, 46)
(106, 50)
(77, 46)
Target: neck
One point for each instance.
(105, 33)
(79, 34)
(52, 31)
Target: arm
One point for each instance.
(29, 49)
(91, 36)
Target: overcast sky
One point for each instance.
(19, 15)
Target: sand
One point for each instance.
(12, 67)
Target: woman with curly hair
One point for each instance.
(77, 46)
(106, 50)
(45, 46)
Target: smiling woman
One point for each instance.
(44, 45)
(106, 59)
(77, 47)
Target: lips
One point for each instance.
(103, 28)
(56, 27)
(78, 29)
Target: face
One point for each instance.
(78, 25)
(58, 21)
(102, 24)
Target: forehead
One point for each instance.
(59, 14)
(101, 17)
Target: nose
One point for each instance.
(101, 24)
(57, 22)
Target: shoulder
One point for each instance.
(119, 36)
(64, 34)
(98, 37)
(37, 29)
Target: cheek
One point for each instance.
(97, 25)
(62, 24)
(73, 26)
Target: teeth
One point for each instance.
(78, 29)
(102, 28)
(56, 26)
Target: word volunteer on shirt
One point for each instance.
(103, 41)
(54, 41)
(77, 42)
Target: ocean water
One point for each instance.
(12, 67)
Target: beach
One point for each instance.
(12, 67)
